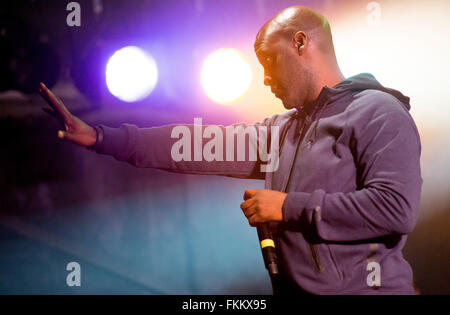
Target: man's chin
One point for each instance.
(287, 104)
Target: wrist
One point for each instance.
(97, 136)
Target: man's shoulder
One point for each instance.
(375, 103)
(377, 106)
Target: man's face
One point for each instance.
(289, 79)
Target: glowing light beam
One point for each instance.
(131, 74)
(225, 76)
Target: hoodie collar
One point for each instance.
(366, 81)
(357, 83)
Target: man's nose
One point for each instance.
(267, 80)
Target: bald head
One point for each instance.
(296, 50)
(298, 18)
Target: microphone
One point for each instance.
(268, 249)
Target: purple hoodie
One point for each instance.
(350, 166)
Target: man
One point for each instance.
(347, 189)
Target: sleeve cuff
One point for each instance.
(294, 205)
(111, 141)
(302, 206)
(99, 140)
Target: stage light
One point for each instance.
(131, 74)
(225, 76)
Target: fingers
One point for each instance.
(52, 113)
(252, 216)
(49, 111)
(250, 213)
(45, 93)
(249, 193)
(247, 207)
(54, 101)
(249, 210)
(252, 221)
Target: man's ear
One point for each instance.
(300, 42)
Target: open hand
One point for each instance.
(76, 130)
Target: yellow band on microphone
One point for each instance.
(267, 242)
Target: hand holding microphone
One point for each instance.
(260, 207)
(263, 205)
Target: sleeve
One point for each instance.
(387, 157)
(234, 150)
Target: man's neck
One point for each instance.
(330, 77)
(330, 80)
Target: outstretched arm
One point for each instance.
(216, 150)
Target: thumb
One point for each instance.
(65, 135)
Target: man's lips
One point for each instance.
(276, 92)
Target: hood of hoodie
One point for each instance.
(352, 85)
(342, 91)
(366, 81)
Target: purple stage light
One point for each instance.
(131, 74)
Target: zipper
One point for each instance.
(315, 255)
(316, 258)
(283, 136)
